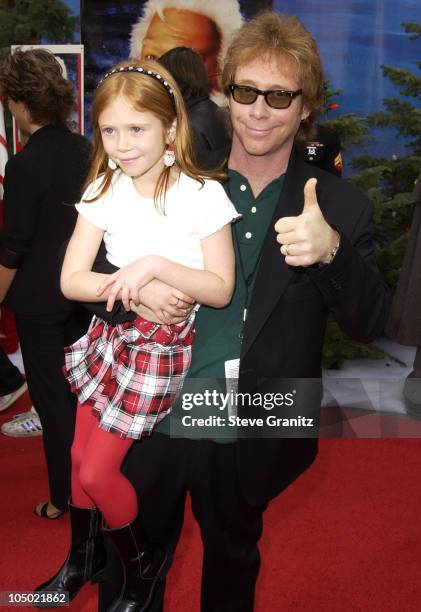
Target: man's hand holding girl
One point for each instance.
(136, 284)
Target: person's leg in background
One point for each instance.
(412, 387)
(12, 383)
(42, 339)
(417, 362)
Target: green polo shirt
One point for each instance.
(219, 330)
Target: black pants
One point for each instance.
(10, 377)
(163, 469)
(42, 340)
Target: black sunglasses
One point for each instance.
(275, 98)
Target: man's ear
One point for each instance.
(22, 107)
(304, 113)
(171, 132)
(25, 110)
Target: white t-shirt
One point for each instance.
(134, 227)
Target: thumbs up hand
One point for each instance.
(308, 238)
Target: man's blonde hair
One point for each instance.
(284, 39)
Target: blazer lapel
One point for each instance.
(274, 274)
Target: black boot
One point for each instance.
(86, 559)
(144, 565)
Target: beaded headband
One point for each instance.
(151, 73)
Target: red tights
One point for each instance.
(97, 480)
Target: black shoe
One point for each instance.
(41, 510)
(144, 566)
(86, 560)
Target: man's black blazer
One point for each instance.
(287, 316)
(42, 184)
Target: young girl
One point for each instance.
(163, 221)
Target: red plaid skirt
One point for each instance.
(130, 373)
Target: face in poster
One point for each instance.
(203, 29)
(114, 31)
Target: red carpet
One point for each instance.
(345, 538)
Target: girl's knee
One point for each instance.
(76, 453)
(92, 481)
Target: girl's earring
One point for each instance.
(169, 157)
(111, 164)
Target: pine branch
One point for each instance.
(412, 28)
(353, 130)
(410, 84)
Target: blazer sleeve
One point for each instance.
(351, 284)
(22, 194)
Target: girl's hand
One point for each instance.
(127, 281)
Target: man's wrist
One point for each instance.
(333, 248)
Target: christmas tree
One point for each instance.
(388, 182)
(26, 22)
(34, 22)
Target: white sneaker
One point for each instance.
(23, 425)
(7, 400)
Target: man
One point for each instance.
(303, 249)
(203, 25)
(404, 324)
